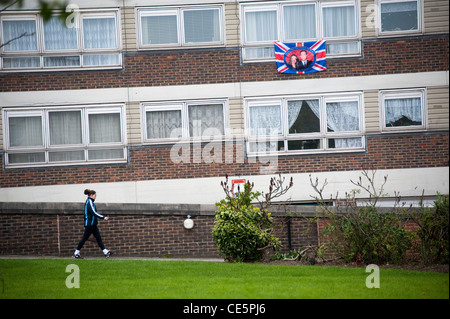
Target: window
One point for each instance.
(399, 16)
(180, 26)
(336, 22)
(55, 136)
(92, 42)
(304, 124)
(403, 110)
(184, 120)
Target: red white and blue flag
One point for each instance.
(300, 57)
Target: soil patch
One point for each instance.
(442, 268)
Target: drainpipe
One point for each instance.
(288, 223)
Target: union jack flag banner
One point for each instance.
(300, 57)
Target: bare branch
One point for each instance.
(25, 34)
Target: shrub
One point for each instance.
(367, 236)
(362, 233)
(241, 230)
(433, 231)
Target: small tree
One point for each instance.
(242, 230)
(363, 233)
(433, 225)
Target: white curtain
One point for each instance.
(25, 131)
(99, 33)
(13, 29)
(59, 37)
(21, 62)
(56, 61)
(339, 21)
(299, 22)
(201, 26)
(395, 109)
(104, 128)
(163, 124)
(160, 29)
(101, 59)
(294, 108)
(206, 120)
(65, 128)
(265, 120)
(261, 26)
(343, 117)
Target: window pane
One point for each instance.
(266, 147)
(303, 116)
(21, 62)
(59, 37)
(259, 53)
(24, 31)
(65, 127)
(25, 131)
(265, 120)
(206, 120)
(399, 16)
(100, 59)
(342, 116)
(163, 124)
(61, 61)
(99, 33)
(403, 112)
(261, 26)
(161, 29)
(26, 158)
(105, 154)
(345, 142)
(299, 22)
(104, 128)
(339, 21)
(303, 145)
(68, 156)
(201, 26)
(343, 47)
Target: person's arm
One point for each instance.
(92, 207)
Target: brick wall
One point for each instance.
(54, 229)
(151, 163)
(187, 67)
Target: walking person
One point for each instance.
(90, 224)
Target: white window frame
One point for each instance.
(420, 93)
(323, 135)
(80, 51)
(278, 6)
(86, 145)
(178, 11)
(182, 106)
(420, 11)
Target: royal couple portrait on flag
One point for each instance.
(300, 57)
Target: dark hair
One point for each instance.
(89, 192)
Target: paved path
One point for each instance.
(113, 257)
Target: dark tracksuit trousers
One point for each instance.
(90, 224)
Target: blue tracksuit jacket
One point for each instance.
(90, 213)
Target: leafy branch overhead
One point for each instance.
(47, 9)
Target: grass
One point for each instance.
(155, 279)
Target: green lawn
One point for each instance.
(110, 278)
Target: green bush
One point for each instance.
(242, 231)
(433, 231)
(367, 236)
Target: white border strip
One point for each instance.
(409, 182)
(227, 90)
